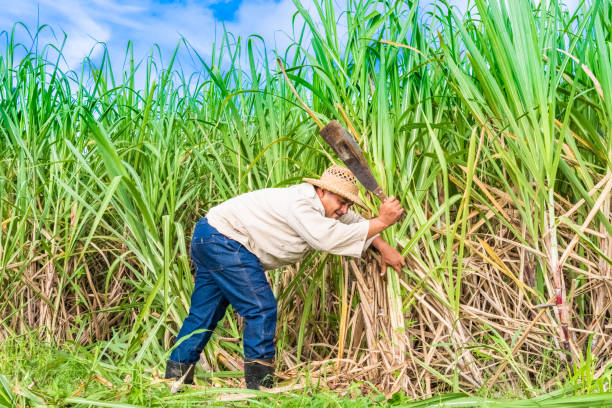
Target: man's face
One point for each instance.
(335, 206)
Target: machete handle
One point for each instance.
(380, 194)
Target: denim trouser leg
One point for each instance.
(245, 285)
(207, 307)
(227, 272)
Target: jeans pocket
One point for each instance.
(204, 233)
(215, 251)
(205, 256)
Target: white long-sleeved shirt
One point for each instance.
(280, 225)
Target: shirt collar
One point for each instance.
(314, 198)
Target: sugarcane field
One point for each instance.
(327, 203)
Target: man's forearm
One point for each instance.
(376, 227)
(380, 244)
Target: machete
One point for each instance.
(347, 149)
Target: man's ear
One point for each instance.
(320, 192)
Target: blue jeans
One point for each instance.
(226, 273)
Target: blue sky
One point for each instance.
(145, 23)
(148, 22)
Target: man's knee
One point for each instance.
(270, 309)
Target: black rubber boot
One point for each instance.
(176, 370)
(259, 373)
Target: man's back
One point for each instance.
(280, 225)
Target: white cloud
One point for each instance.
(264, 17)
(68, 16)
(83, 31)
(147, 22)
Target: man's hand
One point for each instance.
(389, 212)
(389, 256)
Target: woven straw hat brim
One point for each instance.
(351, 197)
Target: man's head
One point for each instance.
(337, 190)
(335, 205)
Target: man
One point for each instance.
(263, 230)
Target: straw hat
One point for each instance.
(341, 181)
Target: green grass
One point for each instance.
(67, 374)
(492, 128)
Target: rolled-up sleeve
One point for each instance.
(327, 234)
(351, 218)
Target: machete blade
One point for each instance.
(347, 149)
